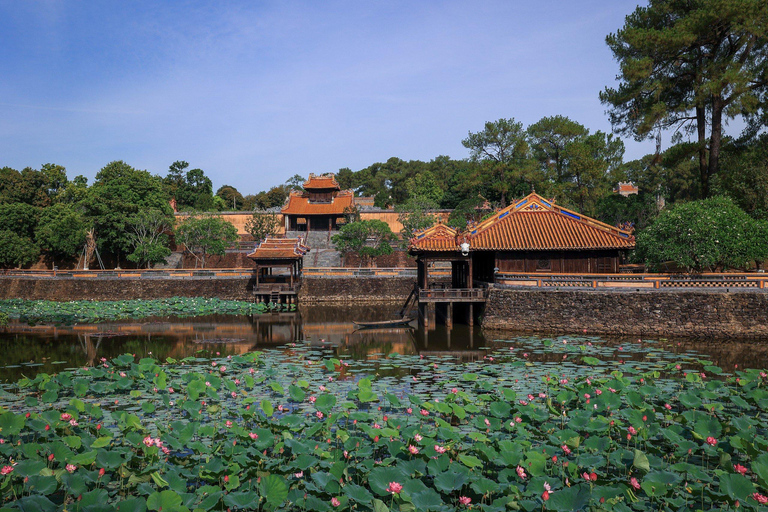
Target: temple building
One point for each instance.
(321, 206)
(531, 236)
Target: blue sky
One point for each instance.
(255, 92)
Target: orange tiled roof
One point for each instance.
(324, 181)
(279, 249)
(298, 204)
(437, 238)
(533, 223)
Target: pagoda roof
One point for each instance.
(322, 182)
(535, 223)
(299, 204)
(273, 248)
(436, 238)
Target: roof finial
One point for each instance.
(533, 188)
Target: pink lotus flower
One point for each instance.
(409, 410)
(634, 483)
(319, 415)
(148, 441)
(424, 412)
(335, 502)
(312, 399)
(711, 441)
(299, 474)
(102, 471)
(6, 470)
(253, 436)
(222, 369)
(228, 424)
(598, 392)
(454, 390)
(413, 449)
(394, 488)
(632, 430)
(760, 498)
(667, 407)
(740, 469)
(439, 449)
(465, 500)
(520, 472)
(566, 449)
(545, 495)
(487, 423)
(66, 416)
(418, 437)
(71, 468)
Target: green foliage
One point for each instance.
(261, 225)
(61, 230)
(415, 216)
(119, 192)
(17, 250)
(192, 189)
(32, 187)
(203, 434)
(690, 65)
(467, 211)
(233, 200)
(745, 176)
(704, 235)
(367, 238)
(147, 236)
(205, 234)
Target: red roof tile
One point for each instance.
(437, 238)
(279, 248)
(299, 204)
(533, 223)
(325, 181)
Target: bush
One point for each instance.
(704, 235)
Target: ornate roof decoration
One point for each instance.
(273, 248)
(299, 204)
(322, 182)
(436, 238)
(534, 223)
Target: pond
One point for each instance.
(30, 349)
(324, 417)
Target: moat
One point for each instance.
(30, 349)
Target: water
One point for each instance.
(28, 350)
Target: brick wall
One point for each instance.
(355, 290)
(668, 313)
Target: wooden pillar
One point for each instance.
(449, 315)
(290, 269)
(469, 273)
(471, 311)
(423, 315)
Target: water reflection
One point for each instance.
(28, 350)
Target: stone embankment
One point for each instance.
(699, 313)
(355, 290)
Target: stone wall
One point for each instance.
(355, 290)
(124, 289)
(712, 313)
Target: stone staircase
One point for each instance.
(171, 262)
(323, 258)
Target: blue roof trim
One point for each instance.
(624, 235)
(503, 215)
(521, 203)
(546, 203)
(421, 236)
(572, 215)
(474, 232)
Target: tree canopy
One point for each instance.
(691, 66)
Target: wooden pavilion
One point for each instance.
(532, 235)
(321, 206)
(275, 254)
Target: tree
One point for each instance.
(549, 139)
(690, 65)
(368, 238)
(17, 225)
(147, 235)
(746, 179)
(205, 234)
(467, 211)
(414, 215)
(61, 230)
(503, 146)
(191, 189)
(261, 225)
(704, 235)
(295, 182)
(231, 197)
(424, 187)
(119, 192)
(16, 250)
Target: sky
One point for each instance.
(253, 92)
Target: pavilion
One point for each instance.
(321, 206)
(531, 236)
(275, 254)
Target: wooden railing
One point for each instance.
(729, 281)
(453, 294)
